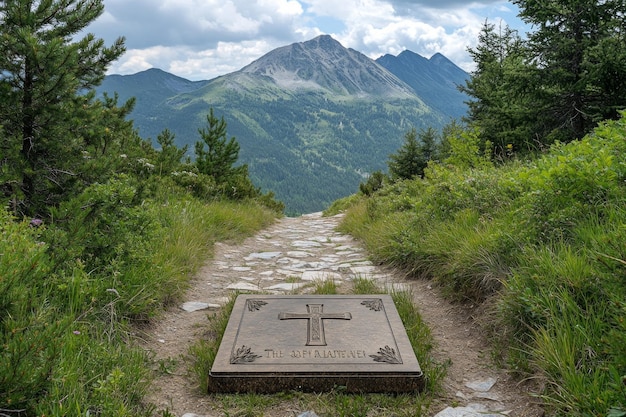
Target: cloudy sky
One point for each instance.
(202, 39)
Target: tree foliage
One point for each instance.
(221, 153)
(218, 162)
(90, 245)
(576, 46)
(502, 106)
(557, 84)
(374, 182)
(412, 158)
(170, 156)
(43, 72)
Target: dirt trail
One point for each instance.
(286, 258)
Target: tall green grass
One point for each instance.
(72, 290)
(543, 240)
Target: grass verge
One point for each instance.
(542, 240)
(71, 294)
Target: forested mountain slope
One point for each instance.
(312, 118)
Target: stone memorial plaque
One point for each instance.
(315, 343)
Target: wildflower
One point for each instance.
(76, 332)
(36, 222)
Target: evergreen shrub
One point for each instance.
(29, 324)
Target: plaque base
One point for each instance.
(323, 382)
(315, 343)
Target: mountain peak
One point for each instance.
(436, 78)
(323, 42)
(439, 59)
(323, 63)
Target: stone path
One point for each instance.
(290, 257)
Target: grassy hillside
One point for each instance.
(540, 242)
(72, 290)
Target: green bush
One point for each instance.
(96, 375)
(108, 231)
(374, 183)
(29, 325)
(72, 286)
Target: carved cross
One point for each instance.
(315, 322)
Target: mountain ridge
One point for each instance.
(426, 76)
(312, 118)
(290, 67)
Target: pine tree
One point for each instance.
(409, 161)
(221, 153)
(580, 49)
(503, 103)
(429, 144)
(44, 72)
(170, 156)
(412, 158)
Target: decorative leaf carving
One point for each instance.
(374, 304)
(243, 355)
(254, 305)
(388, 355)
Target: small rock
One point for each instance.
(192, 415)
(299, 254)
(263, 255)
(305, 266)
(286, 286)
(320, 276)
(306, 244)
(472, 410)
(220, 300)
(242, 268)
(243, 286)
(487, 395)
(192, 306)
(363, 270)
(397, 286)
(481, 385)
(308, 414)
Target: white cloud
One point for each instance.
(227, 57)
(142, 59)
(202, 39)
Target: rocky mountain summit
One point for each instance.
(323, 63)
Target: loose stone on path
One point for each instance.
(192, 306)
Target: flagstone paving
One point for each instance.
(290, 257)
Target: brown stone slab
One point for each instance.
(315, 343)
